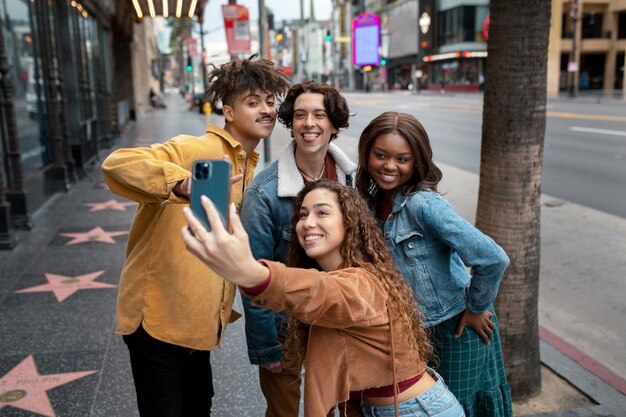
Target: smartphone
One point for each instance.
(210, 178)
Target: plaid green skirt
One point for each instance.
(473, 371)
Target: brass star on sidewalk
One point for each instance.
(111, 204)
(23, 387)
(63, 286)
(97, 234)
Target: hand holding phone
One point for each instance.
(210, 178)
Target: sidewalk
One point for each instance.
(59, 354)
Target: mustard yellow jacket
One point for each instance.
(176, 297)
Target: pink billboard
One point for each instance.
(366, 39)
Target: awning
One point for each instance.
(168, 8)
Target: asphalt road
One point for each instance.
(585, 142)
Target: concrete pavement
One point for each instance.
(60, 356)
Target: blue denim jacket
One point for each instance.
(266, 215)
(433, 246)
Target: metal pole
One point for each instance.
(203, 52)
(574, 16)
(262, 29)
(335, 47)
(624, 79)
(267, 142)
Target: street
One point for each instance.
(585, 144)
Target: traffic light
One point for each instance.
(189, 65)
(329, 37)
(383, 61)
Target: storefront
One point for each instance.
(456, 71)
(56, 97)
(453, 45)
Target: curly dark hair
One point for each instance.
(426, 174)
(229, 80)
(363, 247)
(335, 105)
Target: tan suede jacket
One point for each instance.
(349, 346)
(178, 299)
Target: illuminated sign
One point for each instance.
(455, 55)
(366, 39)
(424, 22)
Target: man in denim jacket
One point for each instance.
(314, 113)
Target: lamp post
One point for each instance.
(262, 30)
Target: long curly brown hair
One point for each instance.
(229, 80)
(426, 174)
(363, 247)
(335, 105)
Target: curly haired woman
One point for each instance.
(364, 339)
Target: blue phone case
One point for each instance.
(210, 178)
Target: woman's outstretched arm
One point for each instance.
(228, 254)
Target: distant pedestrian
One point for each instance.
(314, 113)
(433, 247)
(153, 98)
(352, 316)
(171, 311)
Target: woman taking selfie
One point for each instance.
(357, 319)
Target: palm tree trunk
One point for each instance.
(514, 118)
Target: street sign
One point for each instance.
(237, 27)
(572, 66)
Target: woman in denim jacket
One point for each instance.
(314, 113)
(434, 247)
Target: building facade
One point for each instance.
(72, 73)
(432, 44)
(587, 46)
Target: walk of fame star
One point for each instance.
(97, 234)
(23, 387)
(111, 204)
(63, 286)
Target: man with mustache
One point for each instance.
(171, 311)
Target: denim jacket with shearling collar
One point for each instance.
(433, 247)
(266, 215)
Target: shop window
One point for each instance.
(591, 74)
(457, 25)
(621, 25)
(592, 25)
(567, 28)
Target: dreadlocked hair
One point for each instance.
(363, 247)
(229, 80)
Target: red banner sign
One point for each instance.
(237, 27)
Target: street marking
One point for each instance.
(602, 131)
(583, 360)
(586, 116)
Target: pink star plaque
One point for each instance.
(63, 286)
(97, 234)
(111, 204)
(23, 387)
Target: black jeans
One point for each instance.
(170, 380)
